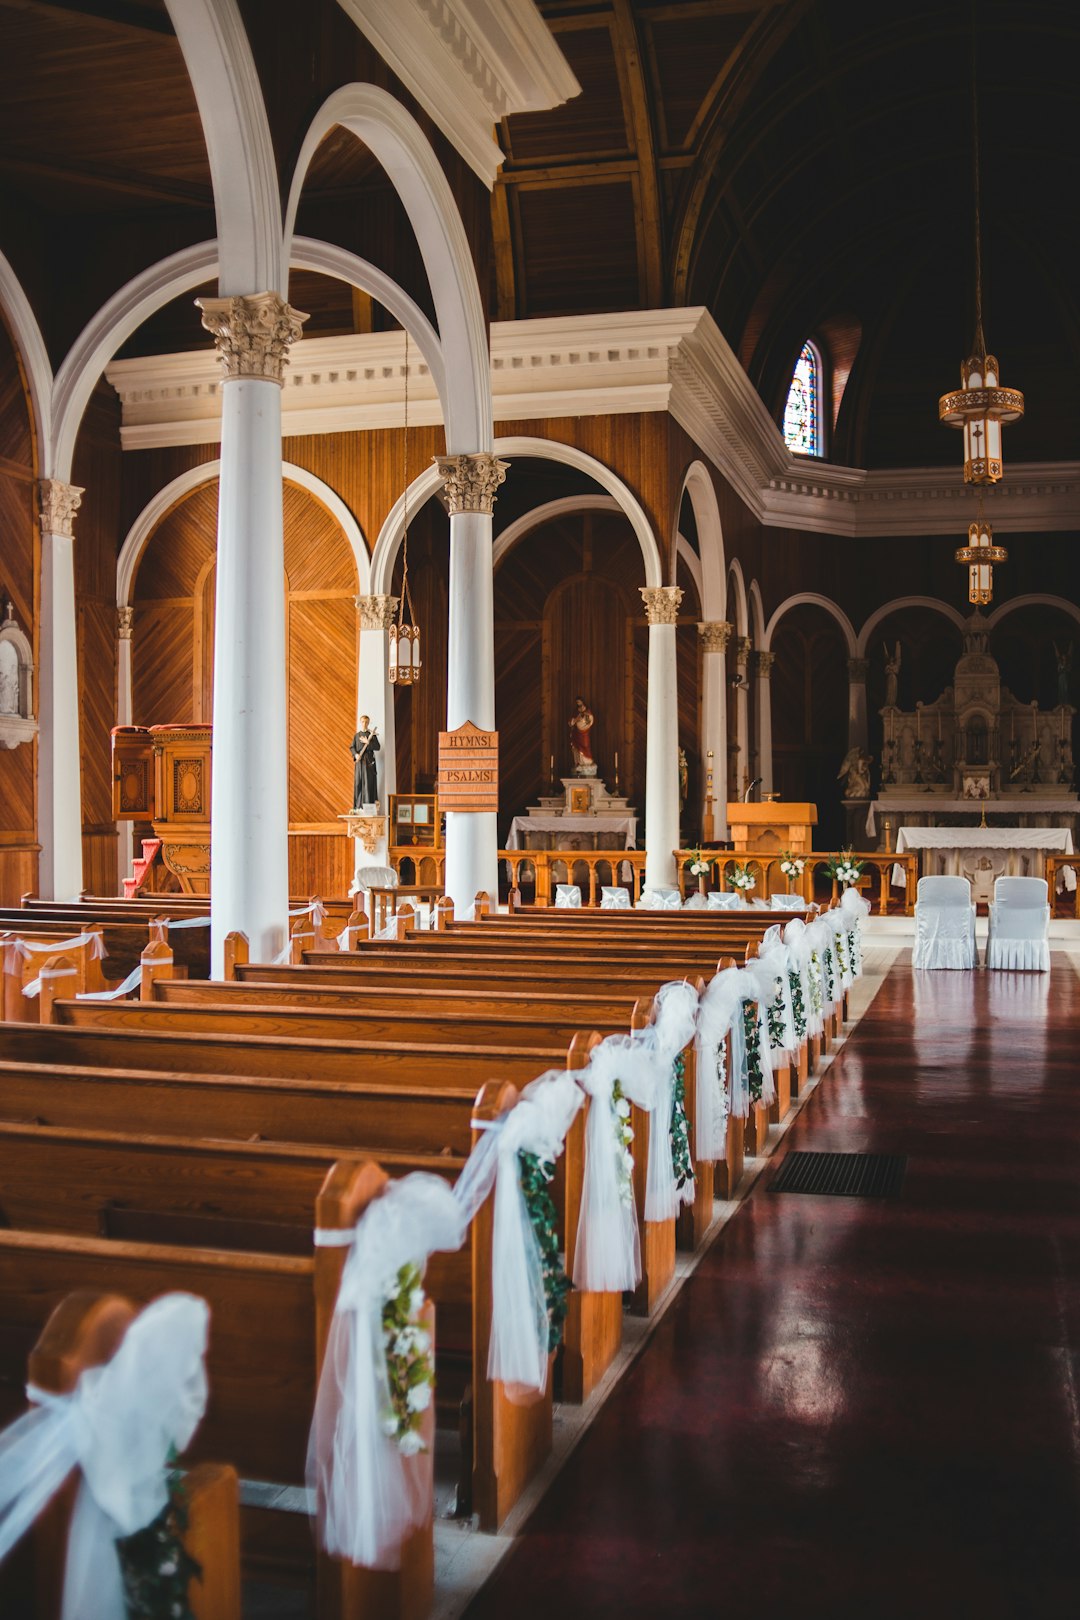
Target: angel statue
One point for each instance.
(856, 769)
(1063, 660)
(892, 675)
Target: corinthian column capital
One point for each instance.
(715, 635)
(470, 482)
(253, 333)
(57, 506)
(661, 603)
(858, 670)
(377, 612)
(763, 663)
(743, 644)
(124, 617)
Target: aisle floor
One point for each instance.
(860, 1407)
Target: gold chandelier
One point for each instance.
(404, 652)
(981, 406)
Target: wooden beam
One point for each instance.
(363, 311)
(650, 225)
(503, 242)
(127, 14)
(105, 178)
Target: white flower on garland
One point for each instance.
(697, 865)
(740, 878)
(410, 1361)
(624, 1136)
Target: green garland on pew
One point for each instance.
(536, 1177)
(410, 1360)
(853, 951)
(829, 974)
(752, 1030)
(774, 1014)
(680, 1128)
(815, 984)
(798, 1011)
(157, 1568)
(840, 962)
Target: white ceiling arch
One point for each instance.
(26, 335)
(428, 483)
(131, 552)
(565, 506)
(812, 599)
(394, 137)
(220, 65)
(932, 603)
(712, 576)
(1034, 599)
(741, 620)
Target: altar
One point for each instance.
(983, 854)
(584, 816)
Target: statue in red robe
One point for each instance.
(581, 723)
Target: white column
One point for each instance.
(59, 784)
(661, 737)
(250, 808)
(742, 716)
(763, 663)
(470, 484)
(374, 694)
(858, 735)
(125, 852)
(715, 636)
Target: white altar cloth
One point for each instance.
(926, 804)
(623, 829)
(1001, 838)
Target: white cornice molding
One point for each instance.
(670, 360)
(469, 63)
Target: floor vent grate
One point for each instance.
(842, 1175)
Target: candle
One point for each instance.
(918, 722)
(553, 767)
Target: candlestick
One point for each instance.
(939, 725)
(918, 722)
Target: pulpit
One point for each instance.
(772, 826)
(162, 775)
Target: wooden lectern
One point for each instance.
(766, 829)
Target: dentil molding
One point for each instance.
(671, 360)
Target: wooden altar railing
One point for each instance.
(1055, 865)
(592, 870)
(765, 867)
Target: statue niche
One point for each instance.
(17, 723)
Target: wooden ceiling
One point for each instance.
(798, 166)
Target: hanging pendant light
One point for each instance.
(980, 406)
(404, 664)
(980, 554)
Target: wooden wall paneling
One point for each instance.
(520, 713)
(321, 861)
(322, 706)
(162, 641)
(420, 711)
(20, 572)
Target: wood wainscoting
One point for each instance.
(321, 860)
(18, 868)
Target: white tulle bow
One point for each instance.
(607, 1253)
(776, 954)
(368, 1494)
(118, 1427)
(800, 944)
(518, 1351)
(722, 1010)
(674, 1022)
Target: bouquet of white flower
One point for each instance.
(740, 878)
(792, 866)
(697, 865)
(845, 868)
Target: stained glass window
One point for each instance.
(802, 413)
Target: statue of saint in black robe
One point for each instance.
(364, 747)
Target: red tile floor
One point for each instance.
(861, 1408)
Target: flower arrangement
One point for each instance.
(815, 984)
(752, 1032)
(624, 1136)
(680, 1128)
(536, 1175)
(792, 866)
(845, 868)
(156, 1567)
(698, 864)
(739, 877)
(775, 1017)
(410, 1361)
(798, 1010)
(841, 959)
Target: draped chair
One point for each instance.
(1019, 925)
(944, 924)
(617, 899)
(567, 897)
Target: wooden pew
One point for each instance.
(85, 1330)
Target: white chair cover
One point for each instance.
(615, 899)
(724, 900)
(660, 900)
(375, 877)
(1019, 925)
(119, 1426)
(787, 902)
(567, 897)
(696, 902)
(944, 924)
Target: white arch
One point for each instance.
(217, 55)
(428, 483)
(812, 599)
(757, 615)
(26, 335)
(1034, 599)
(399, 144)
(163, 502)
(931, 602)
(125, 312)
(692, 561)
(712, 583)
(563, 507)
(741, 620)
